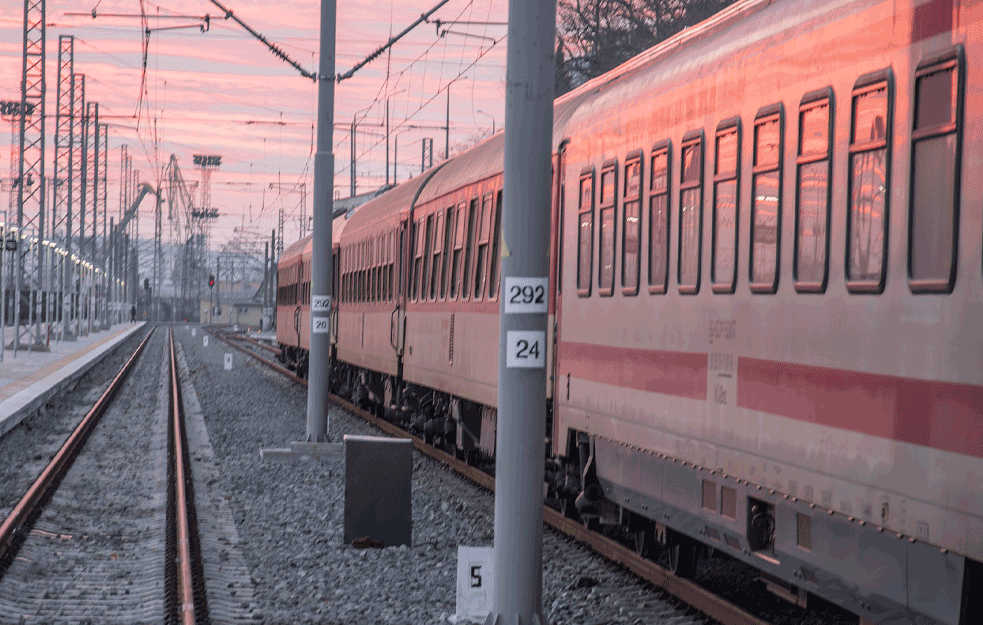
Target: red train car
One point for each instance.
(765, 296)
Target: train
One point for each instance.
(765, 302)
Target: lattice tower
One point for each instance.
(30, 176)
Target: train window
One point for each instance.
(812, 192)
(376, 271)
(383, 260)
(495, 261)
(391, 251)
(364, 274)
(690, 212)
(372, 275)
(468, 249)
(658, 272)
(631, 228)
(585, 233)
(460, 223)
(446, 246)
(427, 257)
(484, 236)
(438, 248)
(766, 205)
(936, 138)
(869, 183)
(419, 236)
(726, 191)
(608, 206)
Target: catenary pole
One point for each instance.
(321, 271)
(518, 570)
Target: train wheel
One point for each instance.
(644, 542)
(680, 555)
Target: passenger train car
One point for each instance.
(766, 301)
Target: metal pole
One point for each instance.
(3, 285)
(518, 573)
(351, 193)
(266, 286)
(218, 288)
(447, 128)
(318, 428)
(112, 272)
(387, 142)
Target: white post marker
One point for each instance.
(193, 331)
(204, 340)
(474, 582)
(228, 361)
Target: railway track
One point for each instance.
(90, 540)
(700, 599)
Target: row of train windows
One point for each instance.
(294, 284)
(933, 196)
(368, 270)
(456, 253)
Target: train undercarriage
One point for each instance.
(672, 534)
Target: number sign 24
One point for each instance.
(526, 350)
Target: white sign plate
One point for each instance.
(228, 362)
(525, 349)
(474, 581)
(320, 303)
(204, 340)
(320, 325)
(525, 295)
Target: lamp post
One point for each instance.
(353, 157)
(487, 115)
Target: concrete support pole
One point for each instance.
(518, 576)
(218, 289)
(266, 287)
(318, 429)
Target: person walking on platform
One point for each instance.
(133, 314)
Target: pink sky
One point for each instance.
(222, 92)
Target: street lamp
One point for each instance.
(487, 115)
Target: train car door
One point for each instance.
(397, 326)
(556, 278)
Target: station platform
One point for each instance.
(29, 379)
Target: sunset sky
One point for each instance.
(223, 92)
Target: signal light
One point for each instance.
(211, 280)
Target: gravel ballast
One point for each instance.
(289, 518)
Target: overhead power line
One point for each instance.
(272, 46)
(392, 40)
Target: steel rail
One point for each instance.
(52, 474)
(185, 579)
(269, 363)
(252, 341)
(685, 590)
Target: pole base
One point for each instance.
(515, 619)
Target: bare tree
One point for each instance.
(595, 36)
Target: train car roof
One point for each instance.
(379, 212)
(305, 246)
(296, 248)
